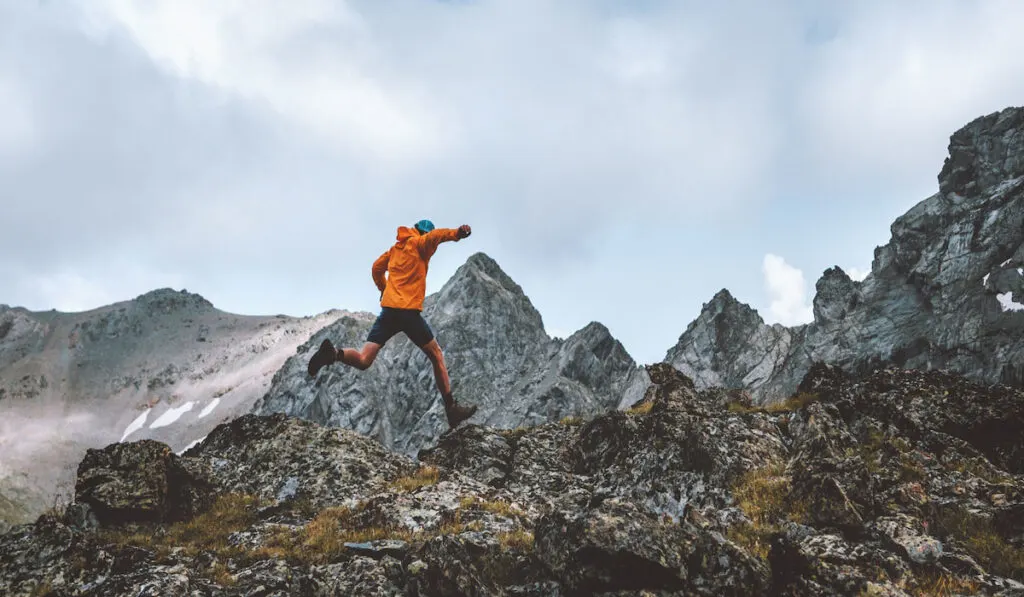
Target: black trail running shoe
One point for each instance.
(457, 413)
(324, 356)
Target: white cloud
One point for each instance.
(240, 142)
(900, 77)
(265, 51)
(787, 292)
(857, 274)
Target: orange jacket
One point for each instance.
(406, 265)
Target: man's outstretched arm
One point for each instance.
(441, 235)
(380, 267)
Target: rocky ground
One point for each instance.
(899, 483)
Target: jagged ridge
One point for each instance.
(947, 292)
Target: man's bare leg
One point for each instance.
(455, 412)
(327, 354)
(360, 359)
(433, 352)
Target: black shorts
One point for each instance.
(391, 321)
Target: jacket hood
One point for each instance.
(405, 233)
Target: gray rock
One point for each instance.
(280, 458)
(940, 294)
(905, 533)
(79, 516)
(617, 547)
(139, 482)
(358, 576)
(378, 549)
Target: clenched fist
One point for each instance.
(464, 231)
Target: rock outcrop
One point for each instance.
(947, 291)
(498, 355)
(903, 483)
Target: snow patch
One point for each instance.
(1020, 271)
(190, 446)
(172, 415)
(1007, 303)
(984, 280)
(209, 408)
(1003, 264)
(135, 425)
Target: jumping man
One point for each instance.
(401, 301)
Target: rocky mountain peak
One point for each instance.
(167, 300)
(984, 153)
(481, 262)
(481, 289)
(725, 307)
(722, 299)
(835, 295)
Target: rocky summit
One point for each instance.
(498, 355)
(947, 291)
(896, 483)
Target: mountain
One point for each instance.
(903, 483)
(946, 292)
(166, 366)
(498, 355)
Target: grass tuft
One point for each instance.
(978, 467)
(518, 540)
(498, 507)
(931, 584)
(641, 409)
(764, 497)
(322, 540)
(424, 476)
(207, 532)
(983, 542)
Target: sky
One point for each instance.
(622, 161)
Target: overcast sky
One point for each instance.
(622, 161)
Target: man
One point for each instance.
(401, 301)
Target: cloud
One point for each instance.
(262, 153)
(898, 78)
(314, 62)
(787, 292)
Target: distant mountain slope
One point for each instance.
(166, 365)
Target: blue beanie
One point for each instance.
(424, 226)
